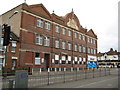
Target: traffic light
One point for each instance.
(6, 39)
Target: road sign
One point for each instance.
(92, 63)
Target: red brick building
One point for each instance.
(49, 41)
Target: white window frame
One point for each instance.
(40, 23)
(56, 57)
(83, 37)
(88, 39)
(40, 39)
(80, 36)
(76, 47)
(80, 59)
(69, 58)
(63, 31)
(57, 43)
(94, 51)
(91, 51)
(91, 40)
(94, 41)
(57, 29)
(14, 45)
(69, 33)
(37, 60)
(80, 48)
(88, 49)
(47, 25)
(84, 49)
(69, 46)
(76, 59)
(47, 41)
(75, 34)
(63, 45)
(63, 58)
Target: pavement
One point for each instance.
(110, 81)
(0, 82)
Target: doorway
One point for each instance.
(46, 60)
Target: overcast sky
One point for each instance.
(99, 15)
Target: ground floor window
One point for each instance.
(56, 59)
(37, 58)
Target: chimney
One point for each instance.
(111, 49)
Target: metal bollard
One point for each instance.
(85, 74)
(93, 73)
(64, 74)
(48, 76)
(11, 83)
(105, 71)
(109, 71)
(76, 74)
(100, 72)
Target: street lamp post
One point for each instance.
(11, 17)
(6, 47)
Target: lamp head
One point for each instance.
(15, 12)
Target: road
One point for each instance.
(110, 81)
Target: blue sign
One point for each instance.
(92, 63)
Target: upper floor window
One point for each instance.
(39, 39)
(75, 34)
(80, 36)
(88, 50)
(47, 41)
(63, 45)
(69, 33)
(57, 29)
(13, 47)
(75, 47)
(83, 37)
(91, 51)
(80, 48)
(94, 51)
(94, 41)
(40, 23)
(84, 49)
(63, 31)
(88, 39)
(91, 40)
(47, 25)
(56, 43)
(69, 46)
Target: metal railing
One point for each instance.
(47, 78)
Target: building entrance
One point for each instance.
(46, 60)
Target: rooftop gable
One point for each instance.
(91, 33)
(39, 8)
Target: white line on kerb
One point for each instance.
(94, 83)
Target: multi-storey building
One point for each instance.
(47, 40)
